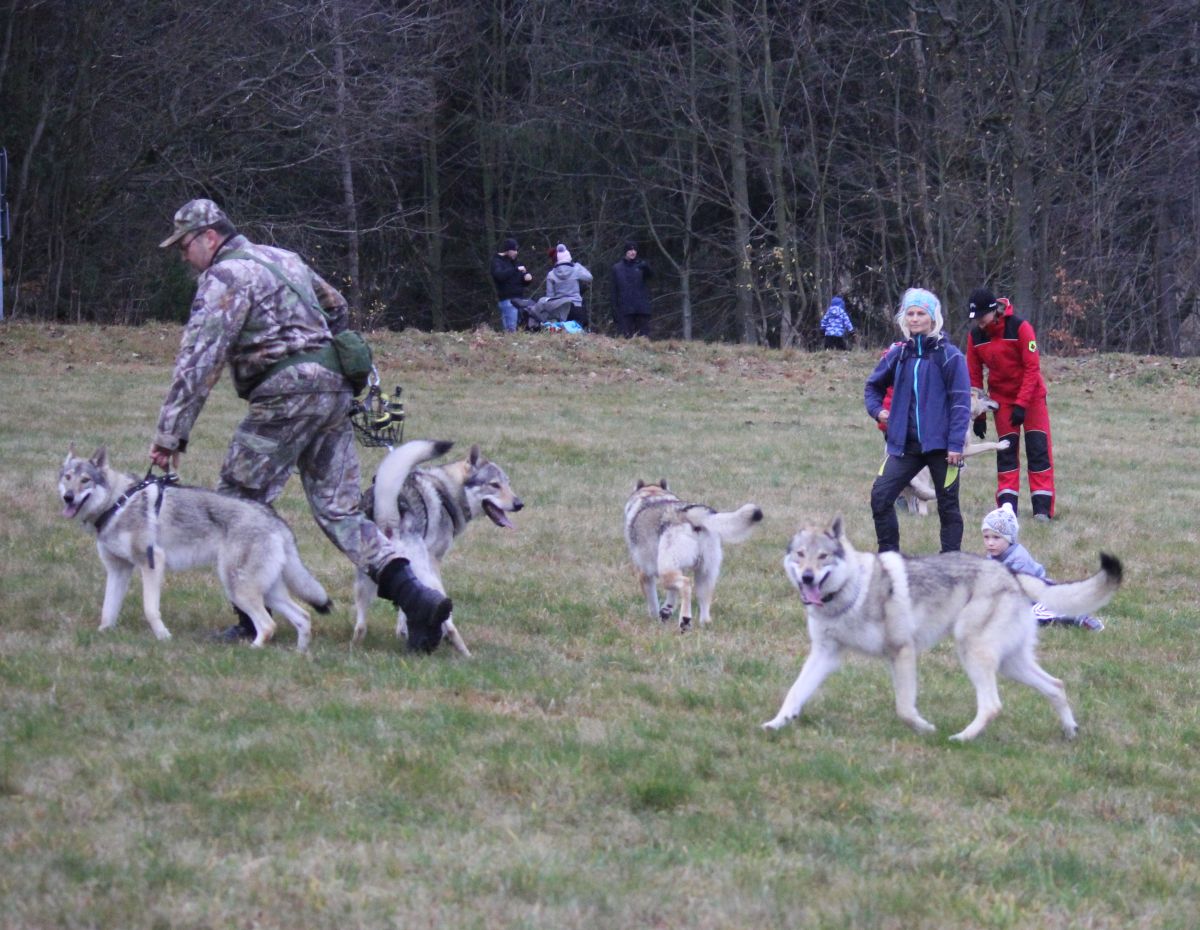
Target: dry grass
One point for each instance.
(589, 768)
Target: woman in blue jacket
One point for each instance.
(928, 421)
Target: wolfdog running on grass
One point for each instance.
(895, 607)
(422, 510)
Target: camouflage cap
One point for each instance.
(193, 215)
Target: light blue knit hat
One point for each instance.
(927, 301)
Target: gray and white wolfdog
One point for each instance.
(895, 607)
(157, 528)
(422, 511)
(668, 538)
(920, 490)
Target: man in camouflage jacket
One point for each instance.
(255, 307)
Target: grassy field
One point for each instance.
(588, 767)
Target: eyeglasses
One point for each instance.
(185, 243)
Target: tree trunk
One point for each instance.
(785, 234)
(739, 180)
(433, 230)
(353, 292)
(1024, 32)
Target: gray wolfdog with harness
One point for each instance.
(158, 526)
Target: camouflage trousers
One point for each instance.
(310, 432)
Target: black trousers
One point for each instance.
(895, 475)
(634, 324)
(579, 315)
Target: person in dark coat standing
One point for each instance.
(510, 280)
(630, 293)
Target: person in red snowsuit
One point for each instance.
(1006, 346)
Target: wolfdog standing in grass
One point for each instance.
(895, 607)
(166, 527)
(668, 538)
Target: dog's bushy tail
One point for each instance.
(734, 526)
(392, 473)
(1076, 597)
(300, 581)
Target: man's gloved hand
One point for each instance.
(980, 427)
(1018, 415)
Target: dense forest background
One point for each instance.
(766, 155)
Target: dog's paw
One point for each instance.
(664, 613)
(162, 635)
(685, 624)
(1002, 445)
(777, 723)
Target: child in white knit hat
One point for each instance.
(1000, 532)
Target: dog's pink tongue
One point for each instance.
(810, 593)
(69, 510)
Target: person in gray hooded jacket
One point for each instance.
(562, 287)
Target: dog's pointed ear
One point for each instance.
(70, 452)
(474, 456)
(837, 529)
(100, 457)
(662, 483)
(641, 484)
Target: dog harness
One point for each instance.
(161, 482)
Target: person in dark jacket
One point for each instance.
(630, 294)
(510, 280)
(928, 420)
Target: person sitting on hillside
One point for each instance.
(564, 299)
